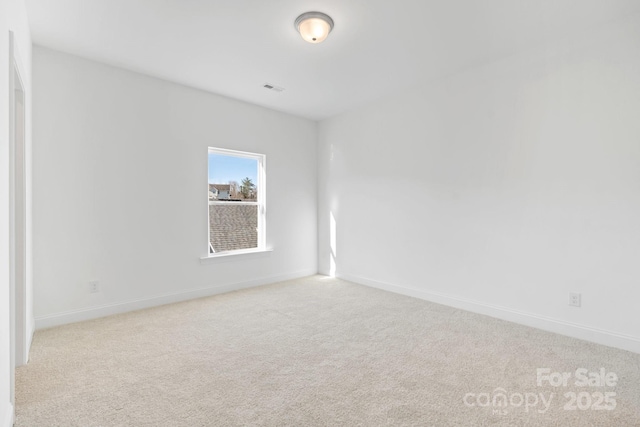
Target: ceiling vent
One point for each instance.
(273, 87)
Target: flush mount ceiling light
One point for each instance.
(314, 27)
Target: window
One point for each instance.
(236, 201)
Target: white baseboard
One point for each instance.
(599, 336)
(123, 307)
(10, 416)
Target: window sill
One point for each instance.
(236, 255)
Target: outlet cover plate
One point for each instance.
(94, 286)
(575, 299)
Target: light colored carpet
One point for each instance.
(311, 352)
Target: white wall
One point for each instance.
(120, 189)
(13, 17)
(6, 408)
(500, 189)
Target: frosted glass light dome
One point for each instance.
(314, 27)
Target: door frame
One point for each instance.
(18, 213)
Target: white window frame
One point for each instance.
(261, 187)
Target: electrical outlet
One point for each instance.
(94, 286)
(575, 299)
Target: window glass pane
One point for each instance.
(233, 227)
(232, 178)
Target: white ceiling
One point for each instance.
(233, 47)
